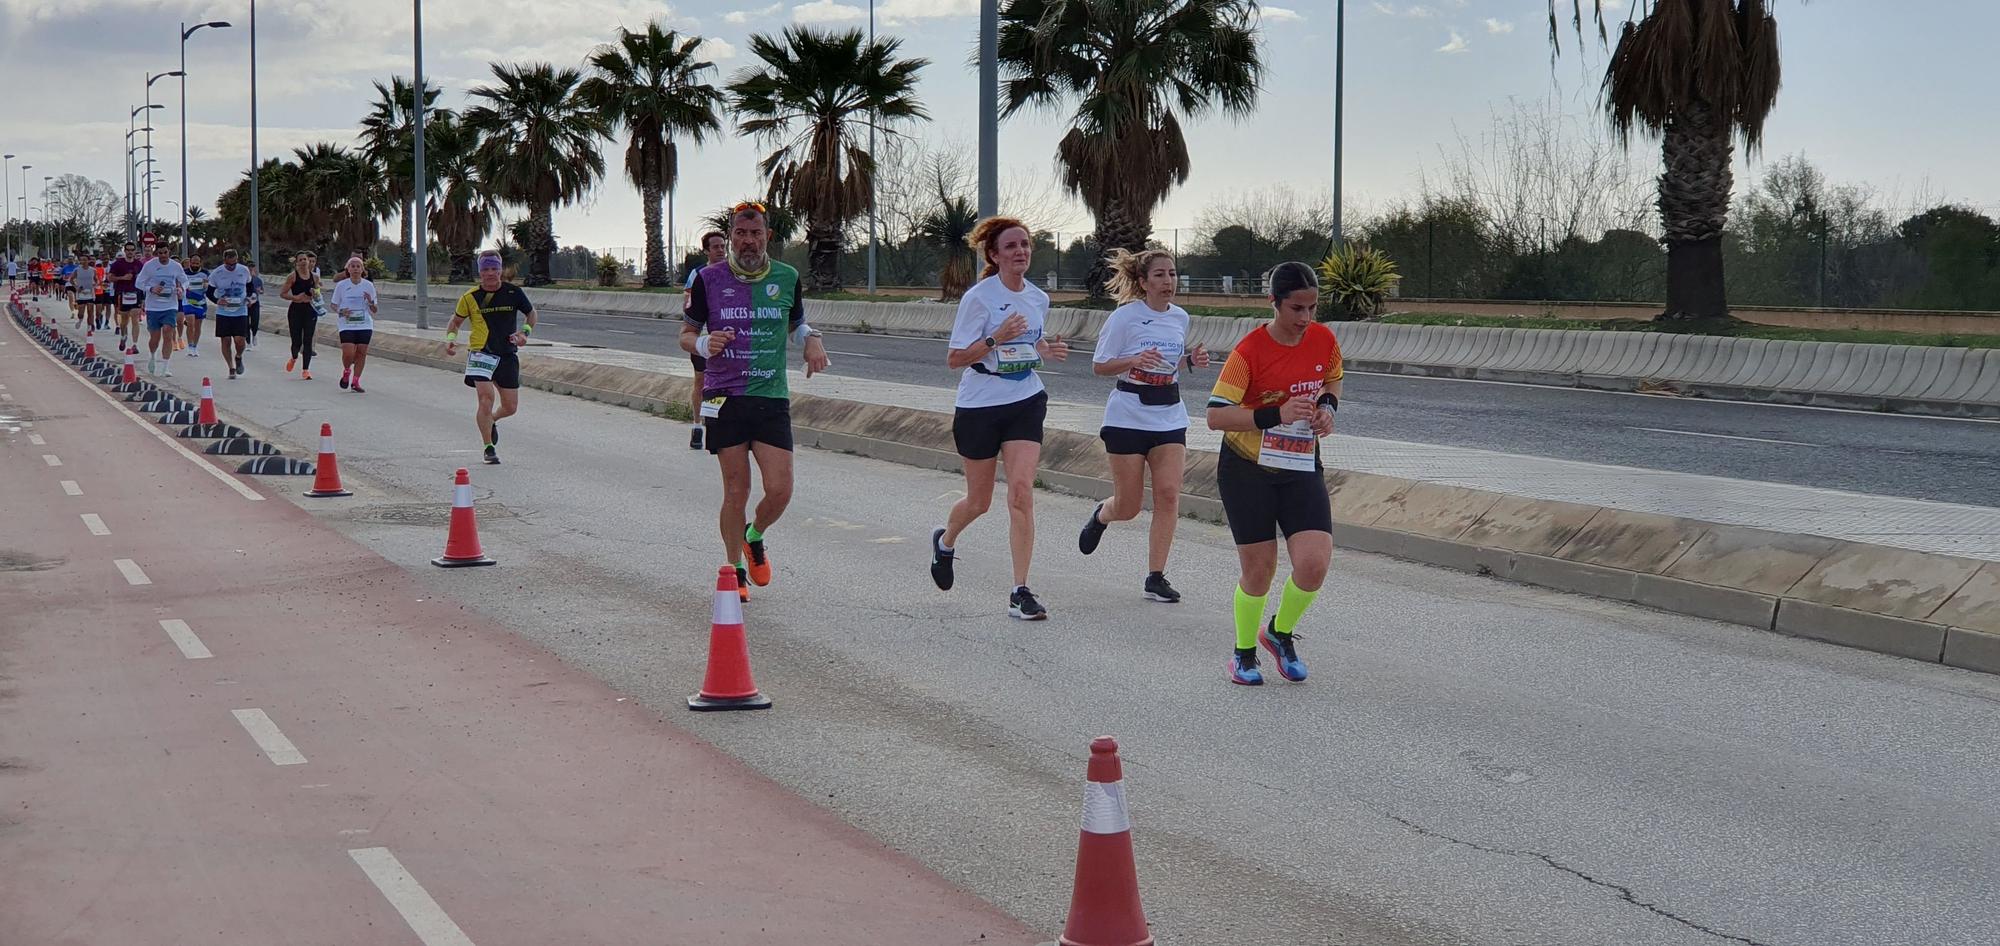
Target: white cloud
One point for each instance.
(1456, 45)
(740, 17)
(1383, 8)
(1497, 27)
(899, 11)
(1280, 15)
(827, 11)
(1421, 13)
(716, 50)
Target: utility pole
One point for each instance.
(1339, 106)
(872, 120)
(419, 203)
(256, 173)
(989, 107)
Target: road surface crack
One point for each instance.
(1624, 893)
(296, 415)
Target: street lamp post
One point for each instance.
(419, 244)
(872, 116)
(187, 31)
(989, 107)
(25, 168)
(7, 199)
(256, 244)
(48, 214)
(131, 183)
(1339, 105)
(149, 135)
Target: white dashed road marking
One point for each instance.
(132, 573)
(191, 646)
(95, 524)
(276, 747)
(428, 920)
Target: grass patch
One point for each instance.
(1731, 329)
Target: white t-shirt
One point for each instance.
(980, 312)
(230, 288)
(350, 305)
(162, 283)
(1133, 328)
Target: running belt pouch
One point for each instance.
(1153, 395)
(979, 368)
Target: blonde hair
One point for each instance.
(1128, 271)
(985, 238)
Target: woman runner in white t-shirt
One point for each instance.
(354, 304)
(997, 342)
(1144, 344)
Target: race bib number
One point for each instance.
(230, 303)
(1017, 358)
(1137, 376)
(1288, 447)
(351, 315)
(164, 287)
(712, 407)
(319, 307)
(479, 364)
(128, 298)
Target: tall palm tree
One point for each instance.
(1135, 68)
(811, 98)
(538, 146)
(651, 84)
(464, 210)
(948, 228)
(388, 139)
(1697, 74)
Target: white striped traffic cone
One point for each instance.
(1104, 905)
(461, 542)
(326, 476)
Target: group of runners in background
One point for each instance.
(1273, 401)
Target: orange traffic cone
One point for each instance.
(461, 543)
(206, 413)
(89, 346)
(131, 371)
(1104, 908)
(728, 685)
(326, 476)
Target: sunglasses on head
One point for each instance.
(749, 205)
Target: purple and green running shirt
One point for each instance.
(764, 311)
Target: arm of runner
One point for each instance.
(528, 322)
(970, 342)
(1225, 402)
(814, 348)
(460, 314)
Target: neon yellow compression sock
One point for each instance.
(1249, 614)
(1292, 605)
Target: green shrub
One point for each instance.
(1355, 281)
(375, 268)
(609, 270)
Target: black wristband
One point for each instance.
(1330, 401)
(1267, 417)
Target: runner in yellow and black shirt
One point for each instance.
(1274, 400)
(502, 319)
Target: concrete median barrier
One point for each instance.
(1951, 382)
(1924, 606)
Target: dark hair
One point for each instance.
(750, 208)
(1291, 277)
(712, 235)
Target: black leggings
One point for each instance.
(302, 335)
(256, 318)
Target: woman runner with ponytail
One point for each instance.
(997, 340)
(1274, 400)
(1144, 344)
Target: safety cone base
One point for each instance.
(443, 562)
(711, 704)
(324, 493)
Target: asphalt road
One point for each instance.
(1918, 457)
(1472, 762)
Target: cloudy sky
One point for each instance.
(1872, 93)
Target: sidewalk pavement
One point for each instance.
(1920, 525)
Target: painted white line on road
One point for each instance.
(620, 331)
(51, 459)
(70, 487)
(276, 747)
(146, 425)
(6, 397)
(850, 354)
(37, 440)
(133, 575)
(1697, 433)
(428, 920)
(95, 524)
(183, 636)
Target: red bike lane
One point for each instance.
(280, 737)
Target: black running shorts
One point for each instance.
(506, 374)
(1261, 503)
(356, 336)
(232, 326)
(979, 431)
(1119, 441)
(744, 420)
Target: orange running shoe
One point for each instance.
(305, 376)
(742, 585)
(760, 564)
(290, 363)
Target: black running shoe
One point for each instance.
(495, 426)
(1093, 532)
(742, 585)
(1157, 589)
(1023, 606)
(492, 455)
(941, 562)
(694, 438)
